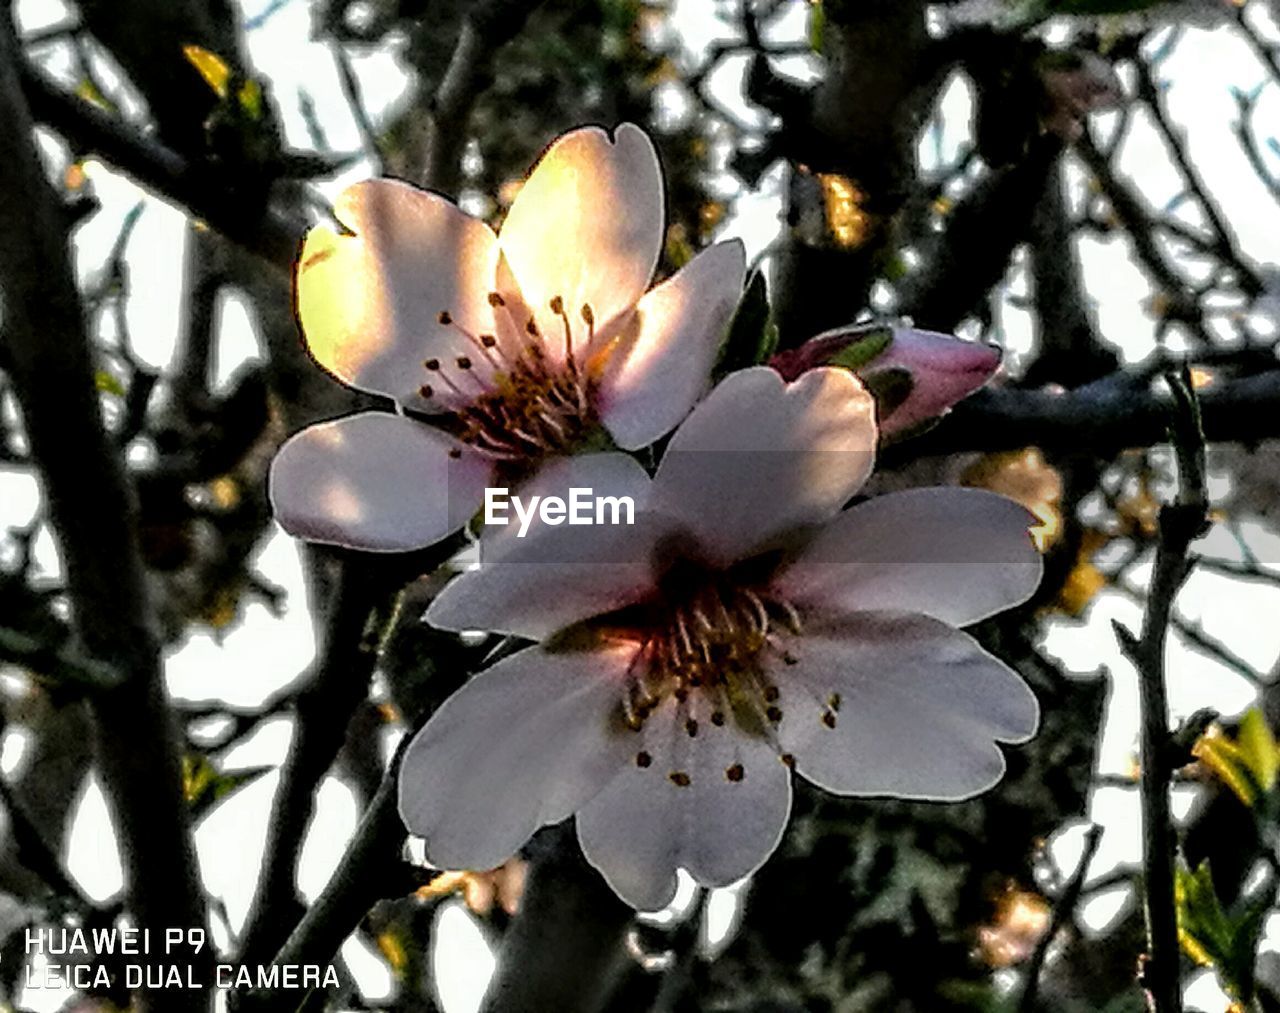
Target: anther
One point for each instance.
(496, 300)
(532, 327)
(679, 778)
(455, 453)
(588, 317)
(833, 701)
(425, 391)
(682, 694)
(829, 719)
(643, 759)
(557, 305)
(488, 340)
(771, 694)
(717, 718)
(735, 773)
(788, 760)
(464, 362)
(691, 727)
(774, 714)
(432, 364)
(445, 318)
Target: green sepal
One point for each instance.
(752, 337)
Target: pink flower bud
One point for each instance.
(943, 369)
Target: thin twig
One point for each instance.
(1063, 911)
(1181, 522)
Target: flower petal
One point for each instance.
(664, 365)
(375, 481)
(554, 576)
(721, 825)
(523, 744)
(920, 707)
(959, 555)
(587, 225)
(760, 458)
(370, 302)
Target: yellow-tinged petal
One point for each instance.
(371, 302)
(587, 225)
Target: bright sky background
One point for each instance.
(264, 653)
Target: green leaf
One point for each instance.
(205, 786)
(1227, 940)
(107, 383)
(817, 26)
(1258, 748)
(250, 98)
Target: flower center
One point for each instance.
(707, 651)
(529, 403)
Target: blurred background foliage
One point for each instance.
(866, 905)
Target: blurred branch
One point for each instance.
(485, 27)
(359, 112)
(93, 519)
(981, 233)
(1139, 223)
(1181, 522)
(60, 663)
(1198, 637)
(1226, 249)
(322, 709)
(207, 194)
(368, 872)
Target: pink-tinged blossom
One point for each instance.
(745, 627)
(517, 347)
(943, 369)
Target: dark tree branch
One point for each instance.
(973, 253)
(91, 508)
(1064, 910)
(1070, 351)
(564, 951)
(369, 871)
(323, 709)
(860, 125)
(36, 854)
(1110, 414)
